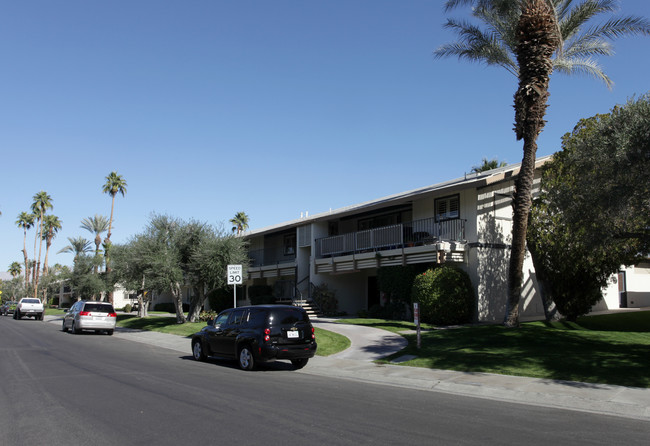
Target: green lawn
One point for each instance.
(328, 342)
(610, 349)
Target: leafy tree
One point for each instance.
(85, 283)
(25, 221)
(210, 260)
(488, 165)
(542, 34)
(96, 225)
(240, 222)
(593, 213)
(42, 202)
(51, 226)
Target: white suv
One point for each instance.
(90, 315)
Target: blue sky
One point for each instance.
(274, 108)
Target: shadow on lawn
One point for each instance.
(536, 351)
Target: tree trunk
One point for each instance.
(178, 301)
(196, 302)
(537, 40)
(550, 310)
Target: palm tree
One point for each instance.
(114, 184)
(51, 226)
(25, 221)
(97, 225)
(488, 165)
(578, 46)
(15, 269)
(77, 246)
(543, 35)
(42, 202)
(240, 222)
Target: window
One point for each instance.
(447, 208)
(289, 244)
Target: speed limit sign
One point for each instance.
(235, 275)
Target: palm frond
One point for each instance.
(584, 66)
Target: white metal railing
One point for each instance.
(419, 232)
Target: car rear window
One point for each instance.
(31, 301)
(100, 308)
(287, 316)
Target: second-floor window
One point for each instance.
(447, 208)
(289, 244)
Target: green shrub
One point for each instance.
(325, 299)
(207, 315)
(445, 295)
(127, 308)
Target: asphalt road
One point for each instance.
(58, 388)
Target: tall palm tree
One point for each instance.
(15, 269)
(42, 202)
(240, 222)
(96, 225)
(51, 225)
(77, 246)
(579, 44)
(114, 184)
(25, 221)
(541, 35)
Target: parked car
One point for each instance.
(258, 333)
(30, 307)
(90, 315)
(8, 307)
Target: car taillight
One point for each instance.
(112, 314)
(84, 313)
(267, 332)
(313, 335)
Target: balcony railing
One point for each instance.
(419, 232)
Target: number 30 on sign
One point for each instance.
(235, 275)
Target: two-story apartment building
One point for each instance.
(465, 222)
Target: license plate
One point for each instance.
(292, 334)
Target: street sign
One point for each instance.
(235, 273)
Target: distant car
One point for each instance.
(258, 333)
(29, 307)
(8, 307)
(90, 315)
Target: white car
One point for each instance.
(90, 315)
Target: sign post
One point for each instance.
(235, 278)
(416, 320)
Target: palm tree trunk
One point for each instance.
(40, 249)
(537, 40)
(26, 261)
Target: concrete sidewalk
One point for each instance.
(369, 344)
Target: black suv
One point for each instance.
(258, 333)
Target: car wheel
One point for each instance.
(246, 360)
(197, 350)
(75, 330)
(299, 363)
(64, 328)
(16, 314)
(109, 332)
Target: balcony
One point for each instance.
(416, 233)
